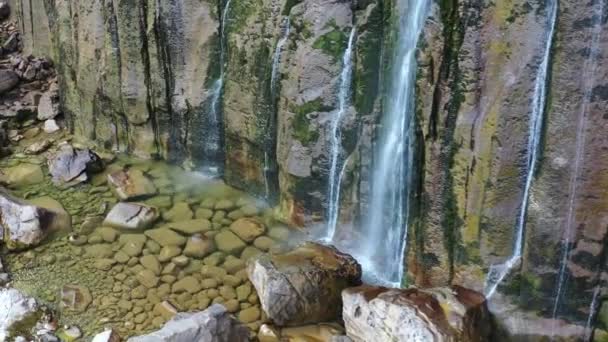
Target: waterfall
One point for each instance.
(274, 78)
(497, 273)
(337, 165)
(589, 78)
(386, 224)
(212, 136)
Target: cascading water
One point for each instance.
(589, 80)
(213, 134)
(274, 78)
(386, 227)
(497, 273)
(336, 162)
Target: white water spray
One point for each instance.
(497, 273)
(588, 77)
(212, 136)
(336, 163)
(386, 226)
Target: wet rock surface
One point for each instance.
(443, 314)
(304, 285)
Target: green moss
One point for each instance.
(301, 122)
(369, 45)
(332, 43)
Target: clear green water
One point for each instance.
(85, 259)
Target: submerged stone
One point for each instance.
(212, 325)
(227, 241)
(248, 229)
(131, 216)
(75, 298)
(191, 227)
(199, 247)
(180, 212)
(131, 184)
(166, 237)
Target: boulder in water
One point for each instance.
(212, 325)
(131, 184)
(304, 285)
(28, 224)
(443, 314)
(131, 216)
(16, 309)
(70, 166)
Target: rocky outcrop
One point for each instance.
(304, 285)
(212, 325)
(70, 166)
(26, 225)
(16, 311)
(443, 314)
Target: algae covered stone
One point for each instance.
(180, 212)
(21, 175)
(191, 227)
(248, 229)
(199, 247)
(166, 237)
(227, 241)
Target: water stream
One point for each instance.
(213, 134)
(589, 81)
(274, 78)
(497, 273)
(386, 226)
(336, 159)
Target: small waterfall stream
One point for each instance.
(589, 81)
(274, 79)
(213, 135)
(336, 161)
(386, 226)
(497, 273)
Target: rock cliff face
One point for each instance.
(137, 76)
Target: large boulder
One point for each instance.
(25, 224)
(131, 216)
(8, 80)
(70, 166)
(131, 184)
(304, 285)
(442, 314)
(16, 309)
(212, 325)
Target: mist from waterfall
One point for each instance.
(589, 81)
(497, 273)
(213, 134)
(337, 162)
(274, 79)
(385, 228)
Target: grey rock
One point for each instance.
(131, 216)
(25, 224)
(8, 80)
(70, 166)
(48, 107)
(15, 308)
(212, 325)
